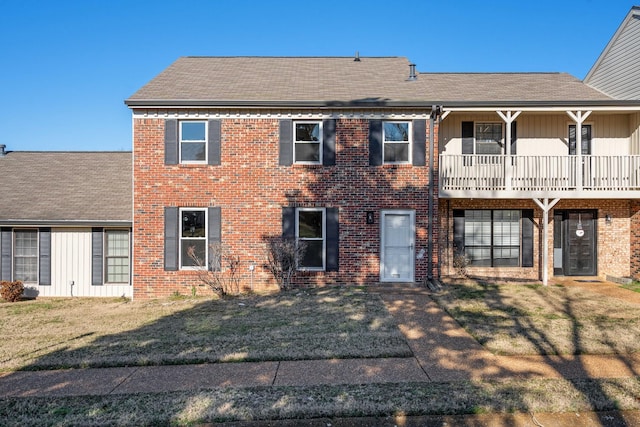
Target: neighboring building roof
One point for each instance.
(617, 70)
(338, 81)
(55, 187)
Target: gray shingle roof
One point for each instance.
(334, 80)
(66, 186)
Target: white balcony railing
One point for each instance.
(468, 174)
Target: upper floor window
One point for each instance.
(193, 142)
(586, 140)
(311, 230)
(116, 254)
(307, 142)
(25, 256)
(193, 238)
(396, 137)
(489, 138)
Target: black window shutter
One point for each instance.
(214, 142)
(527, 238)
(215, 237)
(467, 138)
(514, 138)
(419, 142)
(329, 142)
(288, 222)
(6, 247)
(171, 142)
(375, 142)
(286, 143)
(45, 257)
(586, 140)
(333, 239)
(458, 232)
(171, 230)
(97, 256)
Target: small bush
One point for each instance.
(11, 291)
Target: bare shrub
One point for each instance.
(221, 273)
(460, 263)
(283, 257)
(11, 291)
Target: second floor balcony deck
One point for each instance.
(578, 177)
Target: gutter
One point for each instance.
(64, 223)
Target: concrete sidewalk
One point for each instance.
(442, 350)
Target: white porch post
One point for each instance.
(546, 206)
(579, 117)
(508, 117)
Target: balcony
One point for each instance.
(508, 177)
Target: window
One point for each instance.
(489, 138)
(310, 229)
(116, 256)
(492, 238)
(307, 142)
(586, 140)
(193, 142)
(193, 238)
(25, 256)
(397, 142)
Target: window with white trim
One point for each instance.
(396, 138)
(25, 255)
(489, 138)
(116, 254)
(311, 230)
(307, 142)
(193, 141)
(492, 237)
(193, 238)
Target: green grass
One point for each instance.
(324, 401)
(529, 320)
(633, 286)
(302, 324)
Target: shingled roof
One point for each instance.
(335, 81)
(56, 187)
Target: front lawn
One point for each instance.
(533, 319)
(303, 324)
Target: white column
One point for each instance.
(546, 206)
(508, 117)
(579, 117)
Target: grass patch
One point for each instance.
(529, 320)
(302, 324)
(366, 400)
(633, 286)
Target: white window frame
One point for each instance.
(205, 238)
(37, 256)
(476, 139)
(569, 124)
(324, 237)
(205, 142)
(320, 141)
(409, 142)
(106, 255)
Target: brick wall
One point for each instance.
(251, 189)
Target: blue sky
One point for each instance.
(67, 66)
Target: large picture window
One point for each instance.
(307, 143)
(25, 255)
(310, 230)
(492, 237)
(193, 238)
(193, 142)
(116, 256)
(396, 138)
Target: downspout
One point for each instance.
(435, 112)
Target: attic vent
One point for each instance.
(412, 72)
(2, 152)
(357, 58)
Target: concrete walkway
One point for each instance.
(442, 350)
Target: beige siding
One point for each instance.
(634, 125)
(547, 134)
(71, 261)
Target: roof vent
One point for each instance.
(2, 152)
(357, 58)
(412, 72)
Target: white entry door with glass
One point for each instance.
(397, 245)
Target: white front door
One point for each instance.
(397, 239)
